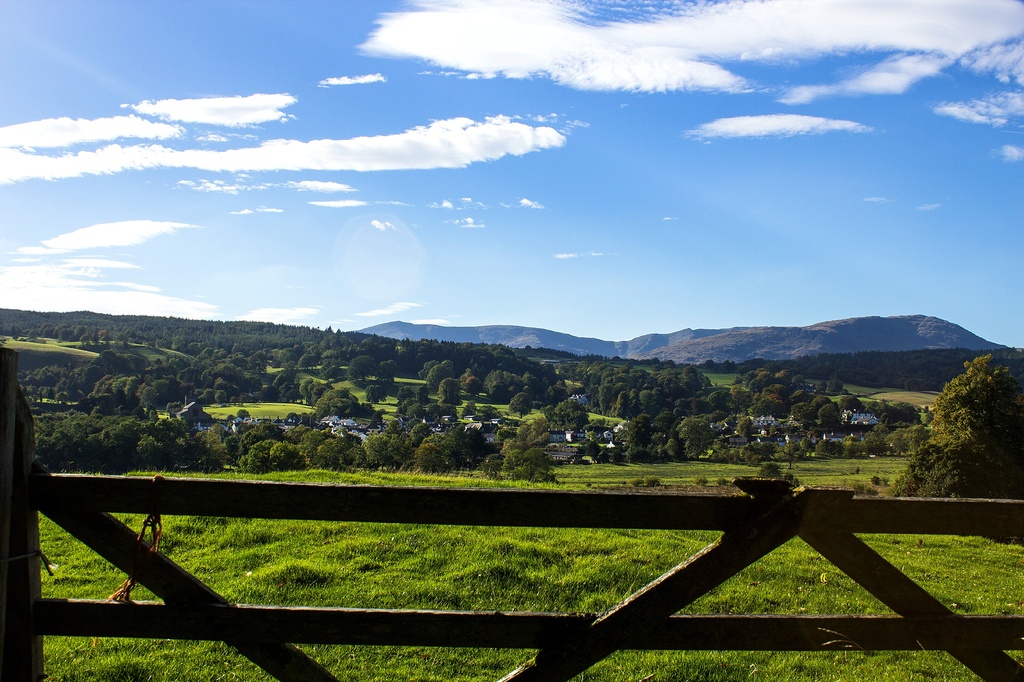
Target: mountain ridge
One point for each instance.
(848, 335)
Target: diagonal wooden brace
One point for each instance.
(116, 543)
(648, 608)
(900, 593)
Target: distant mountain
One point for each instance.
(905, 332)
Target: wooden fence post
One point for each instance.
(21, 656)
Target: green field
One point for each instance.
(259, 410)
(844, 472)
(365, 565)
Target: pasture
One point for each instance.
(367, 565)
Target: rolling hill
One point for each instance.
(905, 332)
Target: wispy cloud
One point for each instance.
(235, 112)
(587, 254)
(1010, 152)
(320, 186)
(80, 285)
(446, 203)
(252, 211)
(451, 143)
(390, 310)
(773, 125)
(340, 203)
(995, 110)
(106, 235)
(894, 76)
(470, 223)
(382, 225)
(352, 80)
(927, 207)
(692, 46)
(527, 203)
(280, 315)
(878, 200)
(65, 132)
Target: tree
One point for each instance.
(531, 464)
(361, 367)
(375, 393)
(695, 437)
(448, 391)
(521, 404)
(977, 449)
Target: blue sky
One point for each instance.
(605, 169)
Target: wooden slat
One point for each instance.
(8, 399)
(115, 542)
(904, 596)
(371, 627)
(647, 609)
(389, 504)
(24, 586)
(930, 516)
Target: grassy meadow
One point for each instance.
(365, 565)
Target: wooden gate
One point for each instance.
(765, 516)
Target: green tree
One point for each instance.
(362, 367)
(695, 437)
(977, 449)
(521, 404)
(449, 392)
(531, 464)
(375, 393)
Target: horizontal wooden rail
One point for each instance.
(516, 630)
(504, 507)
(446, 506)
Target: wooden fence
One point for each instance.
(766, 515)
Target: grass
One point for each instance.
(844, 472)
(366, 565)
(259, 410)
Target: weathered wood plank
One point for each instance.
(643, 612)
(24, 586)
(851, 555)
(386, 504)
(8, 399)
(371, 627)
(929, 516)
(115, 542)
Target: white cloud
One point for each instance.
(773, 125)
(469, 223)
(1005, 60)
(588, 254)
(451, 143)
(1010, 152)
(995, 110)
(383, 226)
(100, 263)
(340, 203)
(526, 203)
(279, 315)
(437, 320)
(352, 80)
(444, 204)
(320, 186)
(71, 286)
(251, 211)
(927, 207)
(219, 186)
(684, 46)
(105, 235)
(391, 309)
(235, 112)
(65, 132)
(877, 200)
(893, 76)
